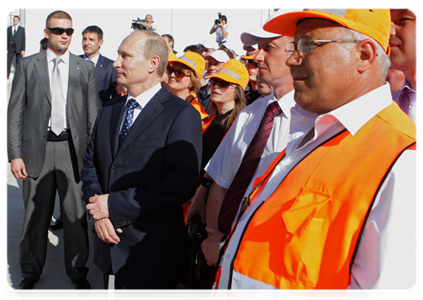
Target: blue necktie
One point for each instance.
(129, 119)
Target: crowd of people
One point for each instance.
(291, 166)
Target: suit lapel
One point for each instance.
(42, 70)
(147, 115)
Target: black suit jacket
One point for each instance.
(16, 43)
(106, 78)
(148, 178)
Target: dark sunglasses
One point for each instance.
(179, 73)
(252, 63)
(223, 85)
(60, 30)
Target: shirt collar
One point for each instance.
(351, 116)
(357, 113)
(145, 97)
(51, 55)
(94, 59)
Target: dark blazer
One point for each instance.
(30, 108)
(148, 178)
(16, 43)
(106, 78)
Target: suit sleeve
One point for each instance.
(90, 182)
(92, 101)
(15, 113)
(179, 180)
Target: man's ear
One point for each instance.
(366, 55)
(154, 63)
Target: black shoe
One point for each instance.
(81, 284)
(28, 283)
(55, 225)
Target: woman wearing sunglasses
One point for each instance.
(184, 74)
(228, 99)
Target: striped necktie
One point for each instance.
(247, 168)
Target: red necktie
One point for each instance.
(247, 168)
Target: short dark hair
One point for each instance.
(194, 48)
(58, 14)
(169, 37)
(223, 17)
(16, 16)
(44, 43)
(94, 29)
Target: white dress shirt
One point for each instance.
(64, 76)
(225, 162)
(386, 254)
(142, 100)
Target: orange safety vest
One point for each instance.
(305, 234)
(197, 105)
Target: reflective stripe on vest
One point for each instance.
(305, 234)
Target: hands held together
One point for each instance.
(99, 210)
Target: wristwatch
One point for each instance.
(206, 182)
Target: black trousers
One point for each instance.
(10, 56)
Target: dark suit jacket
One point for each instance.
(30, 108)
(16, 43)
(106, 78)
(148, 178)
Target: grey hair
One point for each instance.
(381, 56)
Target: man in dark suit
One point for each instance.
(15, 43)
(51, 113)
(137, 178)
(92, 40)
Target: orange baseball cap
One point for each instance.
(193, 61)
(375, 23)
(233, 71)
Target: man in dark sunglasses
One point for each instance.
(52, 109)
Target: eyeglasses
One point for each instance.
(179, 73)
(60, 30)
(306, 45)
(223, 85)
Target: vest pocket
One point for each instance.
(306, 237)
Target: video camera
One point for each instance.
(218, 21)
(137, 25)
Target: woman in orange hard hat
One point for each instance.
(184, 74)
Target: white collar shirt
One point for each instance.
(142, 100)
(380, 237)
(225, 162)
(94, 60)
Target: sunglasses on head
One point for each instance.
(223, 85)
(179, 73)
(60, 30)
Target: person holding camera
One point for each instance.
(220, 27)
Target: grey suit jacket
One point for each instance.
(30, 108)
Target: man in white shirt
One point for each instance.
(227, 159)
(220, 27)
(15, 43)
(329, 233)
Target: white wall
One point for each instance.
(187, 26)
